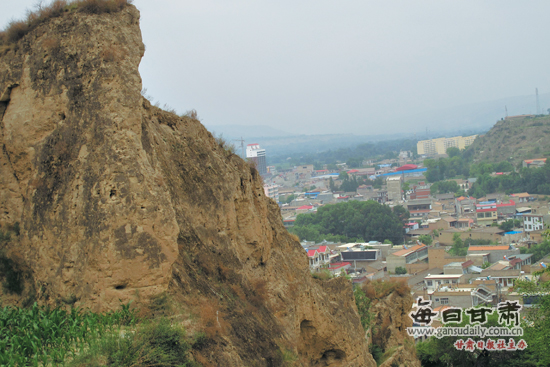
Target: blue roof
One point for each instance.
(418, 170)
(513, 232)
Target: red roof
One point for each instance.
(305, 207)
(407, 167)
(511, 203)
(488, 248)
(529, 161)
(322, 249)
(353, 171)
(338, 265)
(409, 250)
(486, 210)
(311, 253)
(342, 197)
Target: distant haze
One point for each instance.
(341, 67)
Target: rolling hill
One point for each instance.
(514, 139)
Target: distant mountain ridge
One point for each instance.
(474, 117)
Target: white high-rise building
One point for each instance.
(254, 152)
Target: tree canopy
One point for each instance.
(352, 221)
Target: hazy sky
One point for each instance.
(336, 66)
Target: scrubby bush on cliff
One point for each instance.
(18, 29)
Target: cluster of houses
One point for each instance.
(485, 275)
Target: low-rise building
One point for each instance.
(505, 278)
(534, 163)
(408, 255)
(495, 252)
(486, 213)
(453, 297)
(533, 222)
(318, 257)
(506, 210)
(464, 206)
(339, 267)
(419, 208)
(360, 258)
(457, 267)
(433, 282)
(523, 197)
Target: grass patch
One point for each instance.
(47, 337)
(158, 344)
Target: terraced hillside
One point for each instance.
(514, 139)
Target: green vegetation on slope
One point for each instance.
(532, 180)
(352, 221)
(52, 337)
(513, 140)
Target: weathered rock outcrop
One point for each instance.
(390, 329)
(118, 200)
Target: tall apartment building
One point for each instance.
(440, 145)
(257, 155)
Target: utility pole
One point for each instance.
(506, 111)
(538, 104)
(242, 145)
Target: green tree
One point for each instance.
(453, 152)
(400, 270)
(332, 185)
(458, 248)
(288, 199)
(507, 226)
(343, 176)
(402, 213)
(349, 221)
(425, 239)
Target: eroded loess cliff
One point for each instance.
(118, 200)
(390, 309)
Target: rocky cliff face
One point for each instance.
(391, 320)
(118, 200)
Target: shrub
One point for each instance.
(380, 289)
(325, 274)
(400, 270)
(100, 6)
(156, 344)
(191, 114)
(16, 30)
(227, 147)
